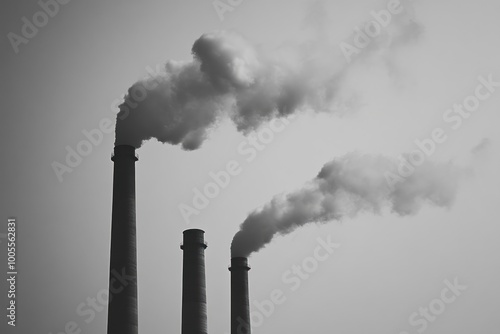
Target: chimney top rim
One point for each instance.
(239, 262)
(193, 230)
(124, 151)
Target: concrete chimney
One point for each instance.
(240, 306)
(122, 310)
(194, 299)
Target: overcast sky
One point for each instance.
(68, 76)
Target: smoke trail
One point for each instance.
(230, 77)
(344, 187)
(227, 77)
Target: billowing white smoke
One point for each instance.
(230, 77)
(345, 187)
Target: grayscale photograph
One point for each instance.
(250, 167)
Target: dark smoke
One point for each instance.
(230, 77)
(343, 188)
(227, 77)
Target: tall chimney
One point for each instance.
(240, 306)
(194, 299)
(122, 309)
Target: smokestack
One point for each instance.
(240, 306)
(194, 299)
(122, 310)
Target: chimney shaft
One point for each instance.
(122, 310)
(194, 300)
(240, 306)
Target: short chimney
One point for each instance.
(240, 306)
(194, 299)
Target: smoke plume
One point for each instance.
(344, 187)
(227, 77)
(230, 77)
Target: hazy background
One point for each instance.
(67, 79)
